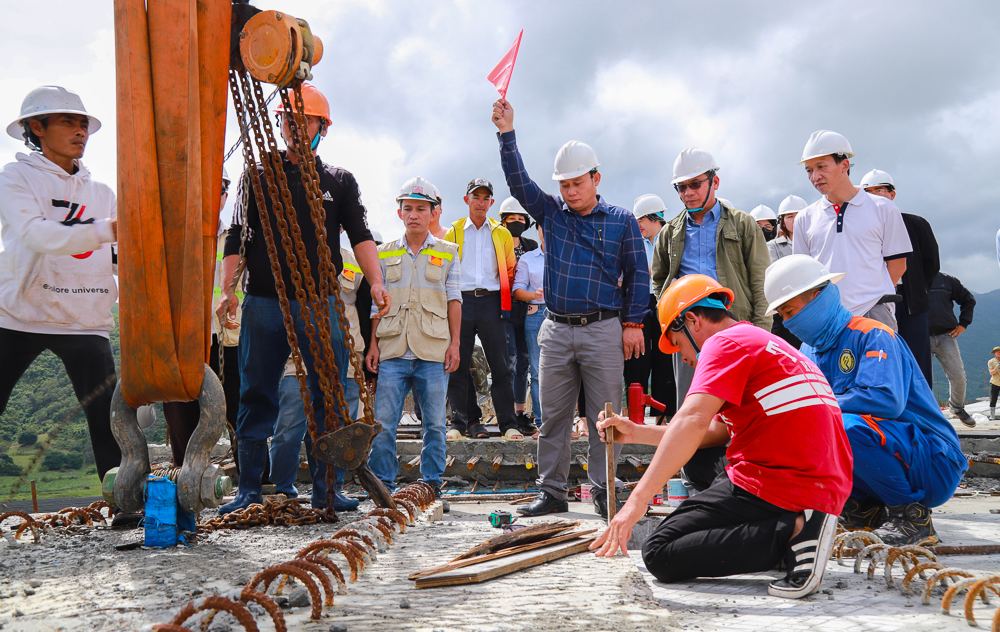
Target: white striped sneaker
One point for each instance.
(806, 557)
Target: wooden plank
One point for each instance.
(492, 569)
(534, 533)
(609, 442)
(504, 553)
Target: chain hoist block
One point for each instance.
(277, 48)
(348, 447)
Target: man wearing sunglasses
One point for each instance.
(710, 237)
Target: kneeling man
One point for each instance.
(907, 457)
(789, 470)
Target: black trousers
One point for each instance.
(915, 330)
(88, 361)
(481, 315)
(722, 531)
(994, 391)
(653, 363)
(182, 417)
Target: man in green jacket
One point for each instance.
(710, 237)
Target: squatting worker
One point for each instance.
(789, 470)
(594, 324)
(263, 342)
(710, 237)
(57, 264)
(781, 246)
(907, 457)
(415, 346)
(851, 231)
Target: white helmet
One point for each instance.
(574, 160)
(826, 143)
(648, 204)
(791, 204)
(761, 212)
(692, 162)
(418, 189)
(49, 100)
(790, 276)
(225, 175)
(511, 206)
(877, 178)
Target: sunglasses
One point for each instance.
(694, 186)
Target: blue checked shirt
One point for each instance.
(699, 244)
(585, 255)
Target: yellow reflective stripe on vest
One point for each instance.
(353, 268)
(385, 254)
(437, 253)
(219, 256)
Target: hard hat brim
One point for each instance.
(833, 277)
(666, 346)
(849, 154)
(689, 176)
(16, 131)
(573, 174)
(420, 198)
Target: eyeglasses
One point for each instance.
(694, 186)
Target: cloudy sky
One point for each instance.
(914, 85)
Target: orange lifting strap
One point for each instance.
(172, 83)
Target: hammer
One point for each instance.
(609, 443)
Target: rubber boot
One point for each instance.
(253, 456)
(993, 413)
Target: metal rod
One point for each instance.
(497, 462)
(582, 461)
(472, 462)
(528, 462)
(34, 497)
(609, 441)
(636, 463)
(414, 462)
(450, 461)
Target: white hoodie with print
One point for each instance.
(56, 270)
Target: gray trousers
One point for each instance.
(946, 349)
(884, 314)
(594, 353)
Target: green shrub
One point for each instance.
(7, 467)
(73, 461)
(54, 460)
(28, 437)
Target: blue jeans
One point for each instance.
(290, 429)
(430, 386)
(517, 350)
(532, 323)
(263, 352)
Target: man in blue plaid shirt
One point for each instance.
(596, 285)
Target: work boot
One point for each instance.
(965, 418)
(341, 502)
(907, 524)
(543, 504)
(525, 423)
(862, 514)
(252, 456)
(601, 503)
(806, 556)
(445, 506)
(993, 413)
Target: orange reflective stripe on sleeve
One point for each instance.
(864, 325)
(880, 354)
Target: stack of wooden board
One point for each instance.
(508, 553)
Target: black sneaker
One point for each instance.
(907, 524)
(965, 418)
(525, 423)
(544, 504)
(601, 503)
(806, 557)
(865, 514)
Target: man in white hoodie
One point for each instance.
(56, 269)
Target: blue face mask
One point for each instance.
(821, 322)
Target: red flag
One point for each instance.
(500, 76)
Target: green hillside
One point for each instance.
(975, 344)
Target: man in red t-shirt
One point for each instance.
(789, 471)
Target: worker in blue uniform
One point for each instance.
(907, 457)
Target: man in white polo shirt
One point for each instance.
(851, 231)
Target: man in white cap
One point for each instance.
(710, 237)
(851, 231)
(648, 210)
(57, 264)
(596, 291)
(922, 266)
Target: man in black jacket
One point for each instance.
(922, 264)
(945, 329)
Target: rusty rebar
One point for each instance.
(471, 463)
(497, 461)
(34, 497)
(581, 461)
(412, 463)
(635, 462)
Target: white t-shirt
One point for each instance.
(857, 242)
(479, 258)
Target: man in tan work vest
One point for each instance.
(416, 344)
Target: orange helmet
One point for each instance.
(681, 296)
(314, 101)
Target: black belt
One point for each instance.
(480, 292)
(579, 320)
(890, 298)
